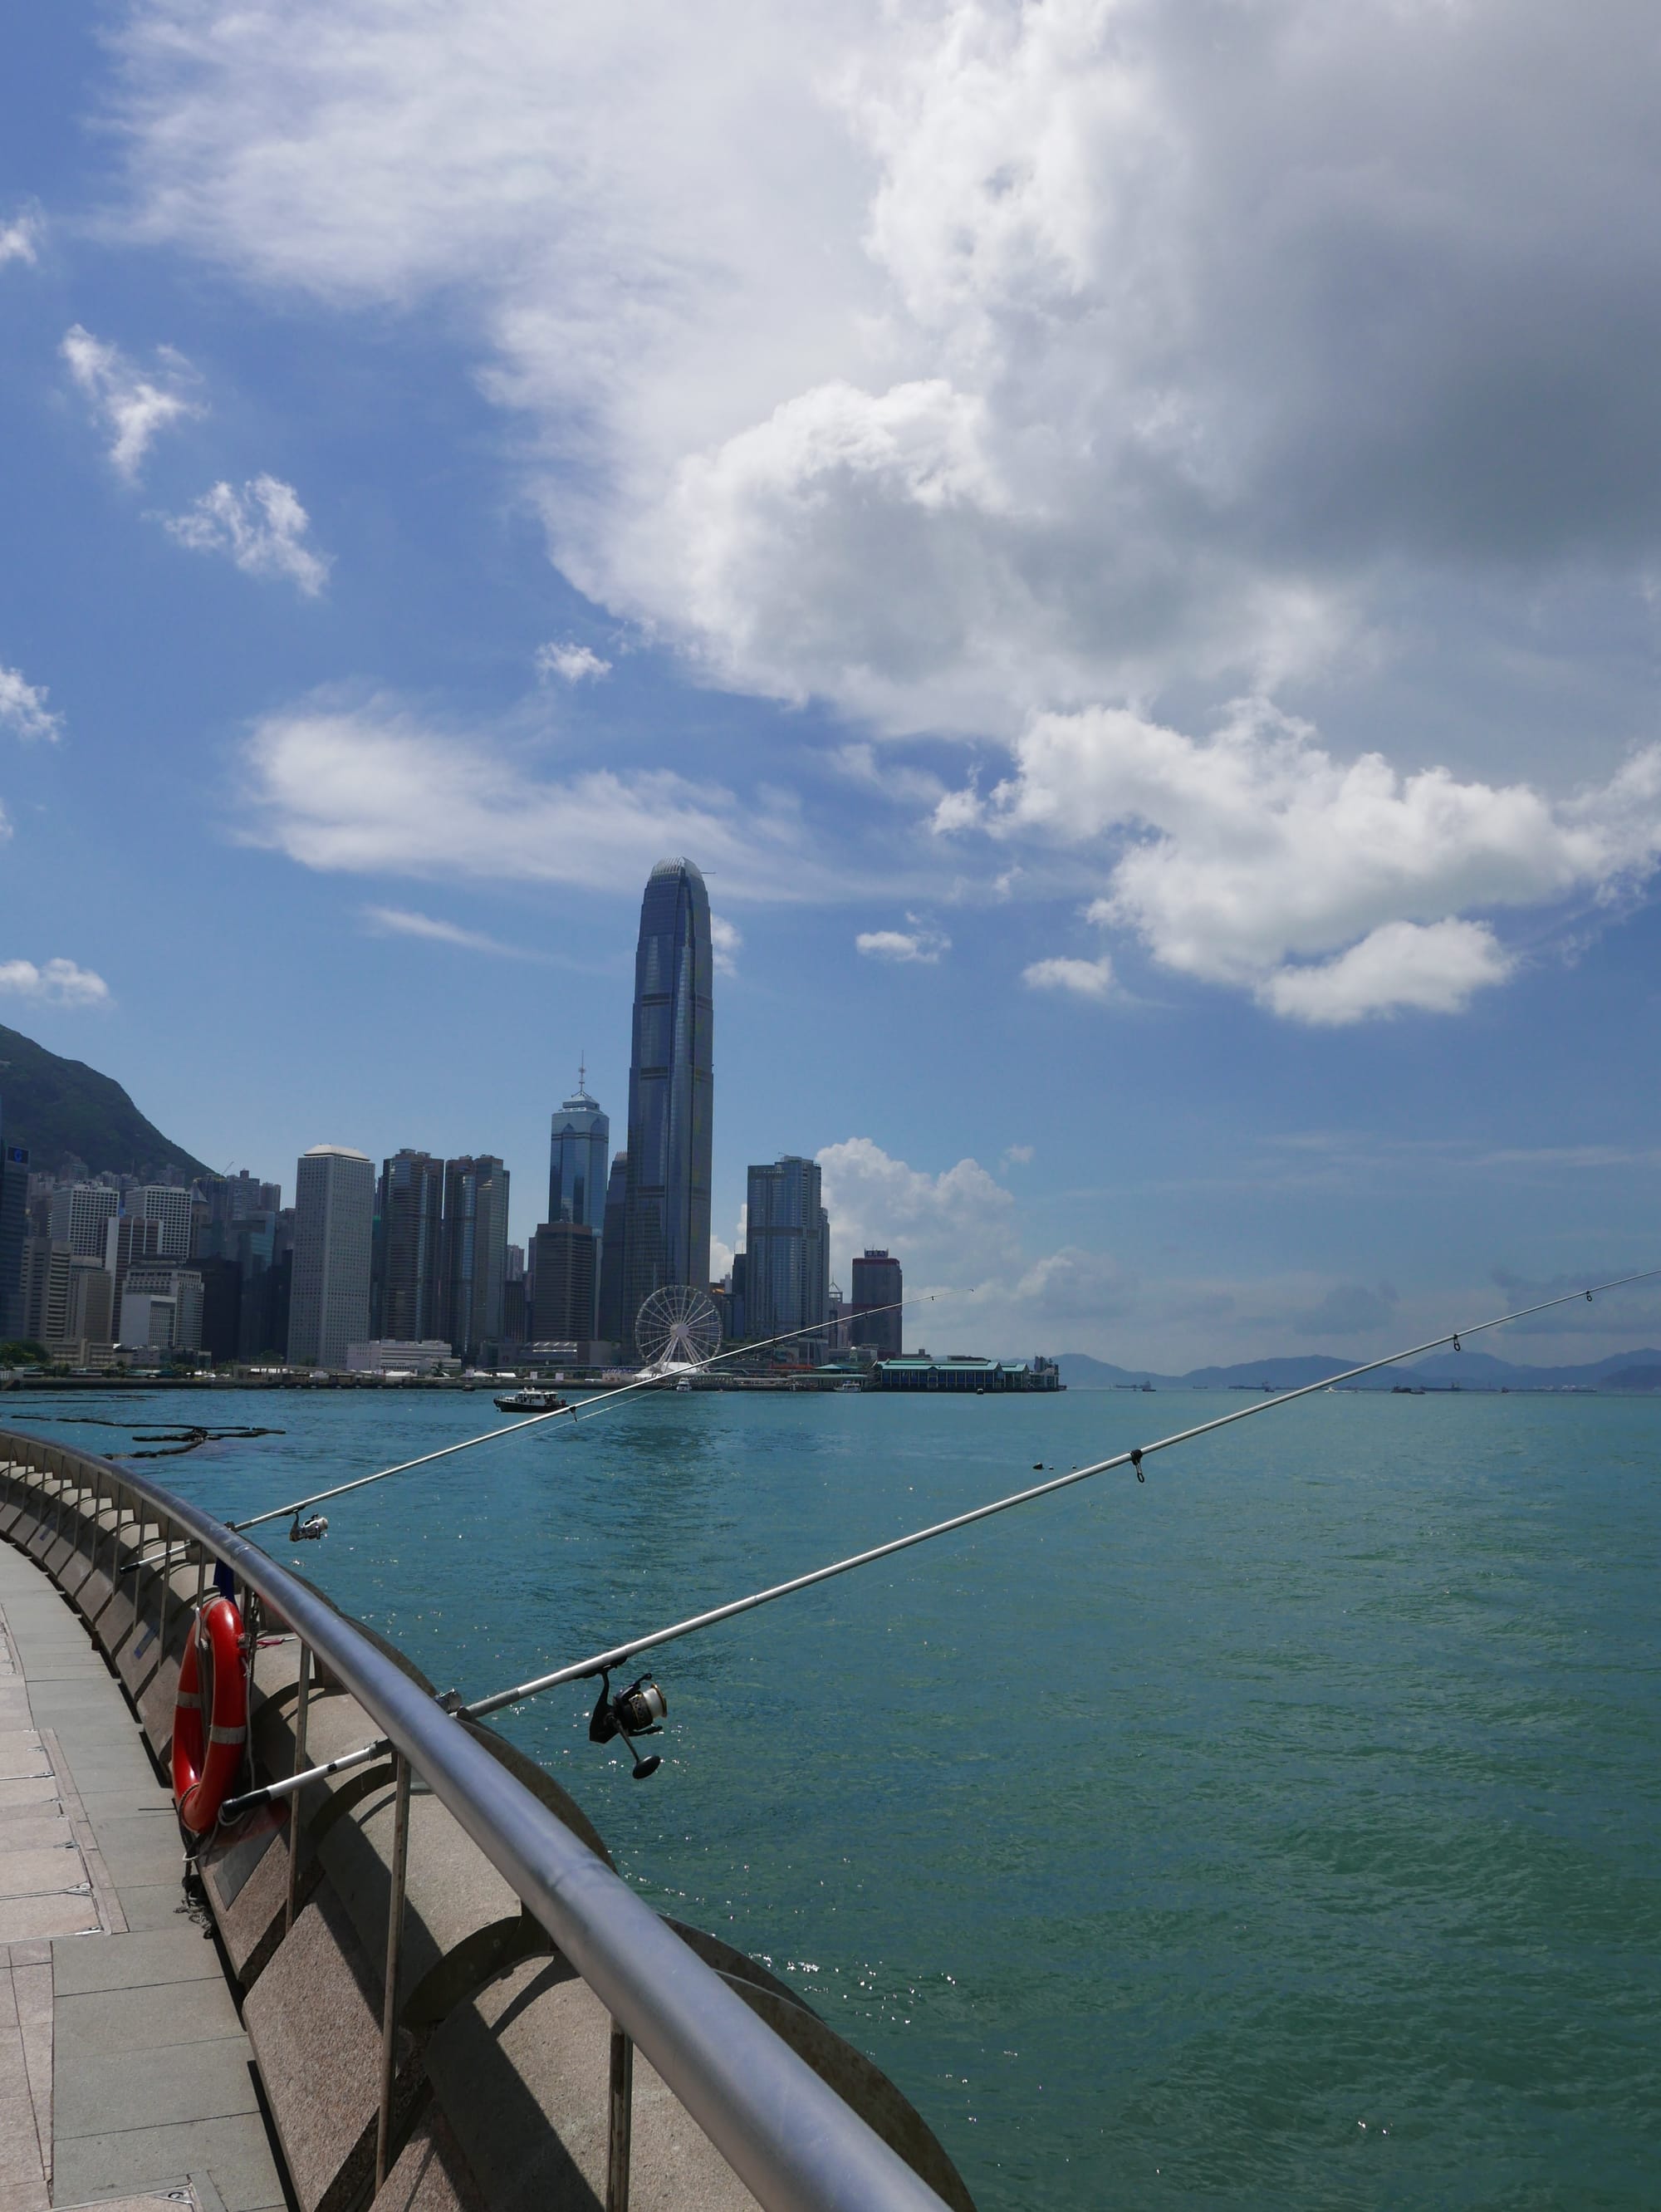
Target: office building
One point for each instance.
(564, 1253)
(80, 1212)
(334, 1234)
(234, 1198)
(386, 1356)
(168, 1204)
(13, 1233)
(877, 1281)
(221, 1307)
(44, 1306)
(670, 1090)
(787, 1251)
(475, 1251)
(610, 1320)
(128, 1237)
(265, 1255)
(408, 1306)
(161, 1308)
(579, 1148)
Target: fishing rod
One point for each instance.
(489, 1436)
(637, 1710)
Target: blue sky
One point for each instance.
(1124, 540)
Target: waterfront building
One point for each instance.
(579, 1149)
(963, 1372)
(44, 1306)
(877, 1281)
(80, 1212)
(609, 1321)
(787, 1251)
(221, 1307)
(564, 1253)
(161, 1308)
(670, 1091)
(334, 1233)
(390, 1356)
(408, 1287)
(474, 1250)
(14, 1232)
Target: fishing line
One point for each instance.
(612, 1715)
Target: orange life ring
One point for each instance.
(200, 1785)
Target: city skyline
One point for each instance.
(1173, 761)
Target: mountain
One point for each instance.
(1472, 1370)
(63, 1109)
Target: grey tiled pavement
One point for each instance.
(124, 2073)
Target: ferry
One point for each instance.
(530, 1399)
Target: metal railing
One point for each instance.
(792, 2141)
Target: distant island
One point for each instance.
(1472, 1370)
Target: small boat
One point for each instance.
(530, 1400)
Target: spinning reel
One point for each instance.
(631, 1712)
(309, 1531)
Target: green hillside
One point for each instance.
(63, 1108)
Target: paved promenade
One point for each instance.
(124, 2073)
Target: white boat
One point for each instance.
(530, 1400)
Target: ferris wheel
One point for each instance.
(678, 1329)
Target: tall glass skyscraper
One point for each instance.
(579, 1155)
(670, 1090)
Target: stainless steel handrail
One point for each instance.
(788, 2136)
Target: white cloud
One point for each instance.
(1332, 890)
(1017, 1155)
(369, 787)
(262, 526)
(951, 359)
(20, 238)
(402, 921)
(1084, 979)
(133, 407)
(57, 982)
(720, 1259)
(571, 663)
(726, 939)
(23, 709)
(921, 942)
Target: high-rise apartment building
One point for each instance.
(80, 1213)
(609, 1321)
(877, 1281)
(670, 1091)
(475, 1251)
(409, 1302)
(562, 1283)
(334, 1232)
(787, 1249)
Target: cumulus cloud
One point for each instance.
(23, 709)
(56, 982)
(261, 525)
(135, 408)
(919, 941)
(1332, 891)
(1083, 979)
(19, 238)
(948, 359)
(571, 663)
(372, 788)
(725, 938)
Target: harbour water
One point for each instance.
(1284, 1831)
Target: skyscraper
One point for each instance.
(168, 1204)
(334, 1228)
(13, 1233)
(608, 1325)
(79, 1213)
(579, 1150)
(787, 1249)
(474, 1250)
(877, 1281)
(409, 1249)
(562, 1303)
(670, 1087)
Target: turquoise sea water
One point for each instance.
(1282, 1832)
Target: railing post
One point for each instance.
(389, 2024)
(167, 1593)
(621, 2121)
(301, 1704)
